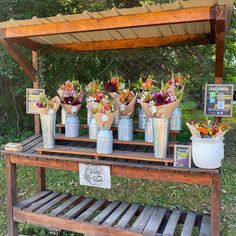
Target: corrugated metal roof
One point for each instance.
(126, 33)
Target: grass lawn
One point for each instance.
(185, 197)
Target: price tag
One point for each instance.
(95, 176)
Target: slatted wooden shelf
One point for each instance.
(90, 216)
(85, 138)
(131, 155)
(136, 130)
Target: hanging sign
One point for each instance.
(32, 98)
(218, 100)
(95, 176)
(182, 155)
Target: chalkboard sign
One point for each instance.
(32, 98)
(218, 100)
(182, 156)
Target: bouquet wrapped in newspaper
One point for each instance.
(113, 86)
(207, 143)
(104, 113)
(71, 97)
(126, 102)
(48, 109)
(159, 105)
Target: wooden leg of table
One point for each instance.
(40, 179)
(215, 206)
(11, 196)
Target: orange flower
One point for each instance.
(203, 130)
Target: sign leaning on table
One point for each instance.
(182, 155)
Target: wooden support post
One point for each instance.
(215, 205)
(11, 181)
(19, 57)
(40, 176)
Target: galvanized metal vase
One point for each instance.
(125, 128)
(48, 123)
(72, 126)
(148, 130)
(160, 135)
(116, 120)
(89, 117)
(176, 120)
(141, 118)
(104, 141)
(63, 116)
(93, 129)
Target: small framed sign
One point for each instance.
(32, 98)
(218, 100)
(182, 155)
(95, 176)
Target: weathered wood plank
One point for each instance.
(205, 229)
(43, 201)
(105, 213)
(115, 154)
(86, 214)
(75, 211)
(62, 207)
(188, 224)
(29, 201)
(154, 222)
(142, 219)
(172, 223)
(116, 214)
(52, 203)
(126, 218)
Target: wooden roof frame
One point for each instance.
(12, 37)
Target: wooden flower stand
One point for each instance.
(100, 216)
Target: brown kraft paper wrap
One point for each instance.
(104, 124)
(128, 109)
(56, 104)
(163, 111)
(70, 109)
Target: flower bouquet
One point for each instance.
(126, 102)
(47, 109)
(71, 97)
(113, 86)
(207, 143)
(95, 94)
(159, 105)
(104, 113)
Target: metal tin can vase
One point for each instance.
(48, 123)
(125, 128)
(63, 116)
(160, 136)
(176, 120)
(141, 118)
(104, 141)
(116, 120)
(72, 126)
(148, 130)
(93, 129)
(89, 117)
(208, 153)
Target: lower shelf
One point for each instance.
(101, 217)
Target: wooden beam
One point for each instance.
(189, 15)
(20, 58)
(134, 43)
(27, 43)
(220, 28)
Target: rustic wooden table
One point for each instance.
(75, 213)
